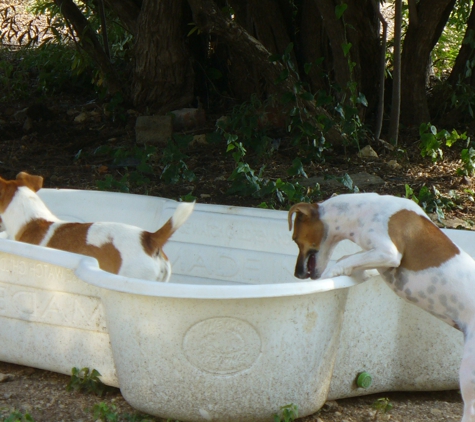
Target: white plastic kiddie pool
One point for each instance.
(233, 336)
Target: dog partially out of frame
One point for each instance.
(119, 248)
(415, 258)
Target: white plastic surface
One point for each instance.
(233, 336)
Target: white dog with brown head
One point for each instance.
(415, 258)
(119, 248)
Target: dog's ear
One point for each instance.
(303, 208)
(35, 183)
(3, 185)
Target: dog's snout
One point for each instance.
(301, 274)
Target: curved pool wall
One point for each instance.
(233, 336)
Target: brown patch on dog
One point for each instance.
(308, 233)
(72, 237)
(35, 183)
(152, 243)
(9, 187)
(309, 229)
(34, 231)
(7, 191)
(421, 243)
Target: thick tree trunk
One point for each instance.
(314, 46)
(210, 20)
(127, 11)
(466, 54)
(418, 43)
(163, 78)
(357, 71)
(335, 28)
(363, 33)
(264, 21)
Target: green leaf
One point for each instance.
(347, 181)
(289, 48)
(214, 74)
(297, 169)
(362, 99)
(340, 9)
(346, 48)
(306, 96)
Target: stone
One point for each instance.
(21, 115)
(153, 129)
(454, 223)
(27, 124)
(199, 140)
(5, 377)
(81, 117)
(436, 412)
(361, 180)
(367, 152)
(188, 118)
(331, 405)
(394, 164)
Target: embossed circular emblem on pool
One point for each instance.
(222, 345)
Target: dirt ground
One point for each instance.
(43, 395)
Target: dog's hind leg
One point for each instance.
(467, 376)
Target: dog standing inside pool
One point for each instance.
(414, 257)
(119, 248)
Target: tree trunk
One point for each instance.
(363, 33)
(127, 11)
(396, 91)
(314, 46)
(466, 54)
(419, 42)
(163, 78)
(210, 20)
(336, 30)
(264, 21)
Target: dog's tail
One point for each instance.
(155, 241)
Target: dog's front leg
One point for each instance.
(364, 260)
(324, 254)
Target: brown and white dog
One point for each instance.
(415, 258)
(119, 248)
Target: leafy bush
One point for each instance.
(467, 157)
(288, 413)
(17, 416)
(173, 161)
(246, 182)
(432, 141)
(126, 158)
(105, 413)
(382, 405)
(49, 58)
(86, 381)
(432, 201)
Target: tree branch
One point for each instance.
(89, 42)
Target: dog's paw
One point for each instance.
(364, 274)
(336, 271)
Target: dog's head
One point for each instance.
(8, 188)
(308, 234)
